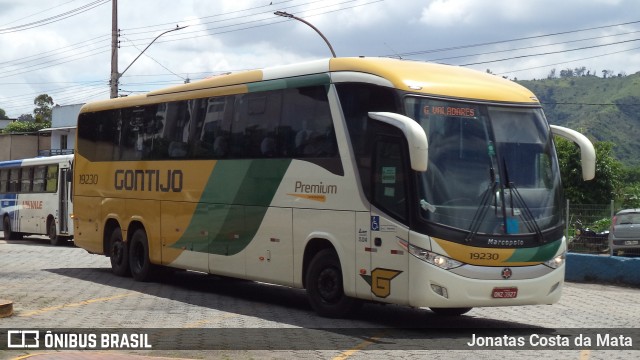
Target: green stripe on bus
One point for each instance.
(540, 253)
(289, 83)
(233, 205)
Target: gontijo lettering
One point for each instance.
(148, 180)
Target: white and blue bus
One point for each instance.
(35, 198)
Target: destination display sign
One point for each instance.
(459, 111)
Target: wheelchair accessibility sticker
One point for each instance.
(375, 223)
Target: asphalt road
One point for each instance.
(193, 315)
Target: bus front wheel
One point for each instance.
(54, 239)
(118, 253)
(141, 267)
(324, 286)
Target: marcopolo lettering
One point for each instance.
(148, 180)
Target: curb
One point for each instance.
(603, 269)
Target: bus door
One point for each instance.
(63, 196)
(389, 233)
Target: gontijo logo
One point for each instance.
(315, 192)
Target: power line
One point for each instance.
(509, 40)
(549, 53)
(39, 12)
(568, 61)
(55, 18)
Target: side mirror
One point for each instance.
(413, 132)
(587, 152)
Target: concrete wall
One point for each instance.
(22, 146)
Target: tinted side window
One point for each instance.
(4, 180)
(39, 178)
(253, 130)
(289, 123)
(14, 180)
(307, 127)
(357, 100)
(98, 135)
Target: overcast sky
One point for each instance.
(63, 47)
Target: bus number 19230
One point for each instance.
(88, 179)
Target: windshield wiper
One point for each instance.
(529, 219)
(481, 212)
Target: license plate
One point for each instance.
(505, 293)
(631, 242)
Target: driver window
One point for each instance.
(389, 188)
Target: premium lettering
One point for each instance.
(148, 180)
(315, 188)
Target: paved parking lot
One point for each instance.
(193, 315)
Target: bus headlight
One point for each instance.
(438, 260)
(556, 261)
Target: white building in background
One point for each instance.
(63, 129)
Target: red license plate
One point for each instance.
(505, 293)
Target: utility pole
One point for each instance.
(114, 49)
(115, 74)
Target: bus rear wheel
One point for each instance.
(141, 267)
(118, 254)
(324, 286)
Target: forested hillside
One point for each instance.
(604, 109)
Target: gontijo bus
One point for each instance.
(355, 178)
(35, 198)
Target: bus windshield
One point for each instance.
(492, 169)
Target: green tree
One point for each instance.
(606, 184)
(3, 115)
(26, 117)
(25, 127)
(44, 104)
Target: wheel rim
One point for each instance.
(329, 285)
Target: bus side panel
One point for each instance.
(35, 209)
(338, 227)
(192, 253)
(229, 234)
(88, 224)
(270, 254)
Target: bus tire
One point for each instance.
(324, 286)
(6, 229)
(139, 263)
(450, 311)
(54, 239)
(118, 253)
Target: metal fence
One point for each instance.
(588, 229)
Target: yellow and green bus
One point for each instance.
(358, 179)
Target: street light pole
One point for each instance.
(285, 14)
(116, 76)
